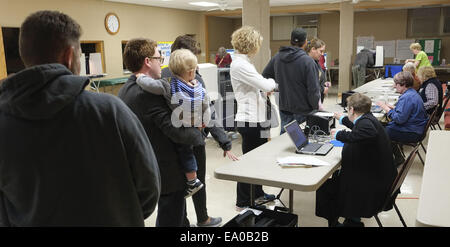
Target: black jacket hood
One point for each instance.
(291, 53)
(41, 91)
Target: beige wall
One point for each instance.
(383, 25)
(2, 57)
(219, 33)
(160, 24)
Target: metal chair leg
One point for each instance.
(423, 147)
(439, 126)
(420, 157)
(378, 221)
(400, 147)
(399, 215)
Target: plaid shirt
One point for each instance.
(432, 94)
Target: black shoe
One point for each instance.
(351, 222)
(193, 188)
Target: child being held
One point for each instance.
(189, 103)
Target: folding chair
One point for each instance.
(438, 116)
(398, 181)
(401, 144)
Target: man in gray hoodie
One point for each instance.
(69, 157)
(297, 78)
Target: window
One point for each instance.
(427, 22)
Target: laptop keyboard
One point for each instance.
(311, 147)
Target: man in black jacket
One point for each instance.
(297, 78)
(69, 157)
(141, 56)
(218, 133)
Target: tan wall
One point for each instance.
(2, 57)
(160, 24)
(329, 33)
(383, 25)
(219, 33)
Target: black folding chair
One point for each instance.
(414, 144)
(435, 121)
(398, 181)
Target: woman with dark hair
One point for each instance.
(223, 58)
(218, 133)
(315, 49)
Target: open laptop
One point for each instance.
(301, 141)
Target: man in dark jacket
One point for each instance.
(296, 75)
(360, 188)
(142, 56)
(69, 157)
(218, 133)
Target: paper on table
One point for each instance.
(324, 114)
(255, 211)
(292, 161)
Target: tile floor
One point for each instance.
(221, 194)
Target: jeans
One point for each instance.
(187, 158)
(251, 139)
(287, 117)
(199, 198)
(171, 210)
(404, 137)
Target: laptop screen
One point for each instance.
(296, 134)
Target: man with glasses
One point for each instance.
(142, 57)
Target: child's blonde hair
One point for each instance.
(182, 61)
(415, 46)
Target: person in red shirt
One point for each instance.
(223, 58)
(322, 62)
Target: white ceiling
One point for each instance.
(184, 4)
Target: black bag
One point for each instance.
(271, 115)
(268, 218)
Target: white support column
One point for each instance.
(256, 13)
(345, 46)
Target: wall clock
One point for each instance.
(112, 23)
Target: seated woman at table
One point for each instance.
(411, 68)
(408, 117)
(367, 172)
(430, 89)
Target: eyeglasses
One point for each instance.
(161, 59)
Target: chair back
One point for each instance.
(430, 121)
(441, 109)
(402, 171)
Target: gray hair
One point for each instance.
(410, 67)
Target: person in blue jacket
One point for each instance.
(408, 117)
